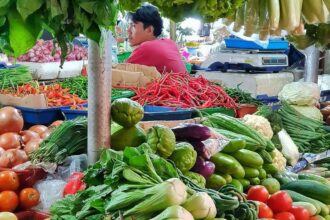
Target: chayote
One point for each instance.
(126, 112)
(184, 156)
(161, 140)
(196, 178)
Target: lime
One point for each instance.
(271, 184)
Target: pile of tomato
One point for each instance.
(12, 197)
(276, 206)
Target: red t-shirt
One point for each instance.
(160, 53)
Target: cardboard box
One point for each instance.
(135, 75)
(28, 101)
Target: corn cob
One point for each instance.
(290, 14)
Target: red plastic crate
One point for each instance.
(31, 215)
(28, 177)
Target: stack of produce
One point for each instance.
(13, 196)
(250, 156)
(282, 205)
(16, 144)
(142, 181)
(42, 52)
(55, 94)
(183, 91)
(308, 134)
(136, 183)
(311, 191)
(12, 77)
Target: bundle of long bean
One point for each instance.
(67, 139)
(79, 86)
(11, 77)
(308, 134)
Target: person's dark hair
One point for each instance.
(149, 16)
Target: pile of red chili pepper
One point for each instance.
(184, 91)
(56, 95)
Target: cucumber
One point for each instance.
(227, 177)
(237, 184)
(309, 206)
(262, 173)
(227, 164)
(234, 145)
(254, 181)
(265, 156)
(245, 183)
(320, 207)
(248, 158)
(270, 168)
(307, 176)
(310, 188)
(215, 182)
(251, 172)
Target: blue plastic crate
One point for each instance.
(72, 114)
(40, 116)
(274, 44)
(153, 113)
(272, 101)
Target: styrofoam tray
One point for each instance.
(52, 70)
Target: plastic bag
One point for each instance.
(50, 191)
(300, 93)
(75, 163)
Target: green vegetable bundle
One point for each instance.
(12, 77)
(79, 86)
(241, 96)
(308, 134)
(65, 140)
(177, 10)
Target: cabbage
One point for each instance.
(309, 111)
(300, 93)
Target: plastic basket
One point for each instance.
(209, 111)
(70, 114)
(274, 44)
(154, 113)
(40, 116)
(31, 215)
(272, 101)
(123, 57)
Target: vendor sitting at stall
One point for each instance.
(143, 31)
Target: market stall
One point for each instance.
(182, 146)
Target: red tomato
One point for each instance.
(29, 198)
(264, 211)
(285, 216)
(258, 193)
(300, 213)
(280, 202)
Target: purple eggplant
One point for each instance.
(201, 149)
(205, 168)
(192, 132)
